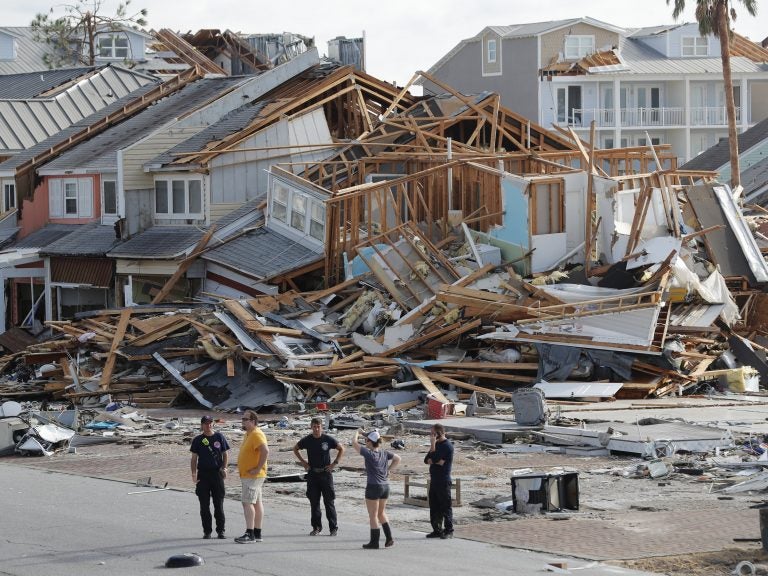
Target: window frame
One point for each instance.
(294, 209)
(581, 49)
(9, 195)
(491, 48)
(172, 208)
(104, 183)
(694, 49)
(112, 48)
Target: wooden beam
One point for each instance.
(166, 289)
(109, 367)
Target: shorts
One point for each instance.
(377, 491)
(251, 490)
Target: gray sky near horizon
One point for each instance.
(401, 36)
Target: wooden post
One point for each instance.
(764, 527)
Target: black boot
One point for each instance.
(374, 543)
(388, 541)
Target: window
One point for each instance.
(70, 197)
(492, 50)
(109, 189)
(9, 196)
(298, 209)
(695, 46)
(280, 202)
(317, 221)
(578, 46)
(569, 105)
(299, 212)
(113, 46)
(179, 198)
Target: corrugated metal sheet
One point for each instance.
(33, 85)
(30, 121)
(100, 152)
(97, 272)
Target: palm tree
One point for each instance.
(714, 17)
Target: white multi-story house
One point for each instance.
(664, 83)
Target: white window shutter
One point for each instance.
(85, 197)
(55, 198)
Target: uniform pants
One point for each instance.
(320, 484)
(210, 486)
(440, 507)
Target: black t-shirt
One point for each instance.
(210, 450)
(318, 449)
(443, 451)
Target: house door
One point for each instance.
(648, 104)
(569, 105)
(607, 117)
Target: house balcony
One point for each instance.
(712, 116)
(635, 117)
(658, 117)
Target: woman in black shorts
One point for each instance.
(378, 464)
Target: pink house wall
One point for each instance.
(35, 213)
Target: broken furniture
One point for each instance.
(423, 501)
(545, 492)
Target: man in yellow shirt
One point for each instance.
(252, 465)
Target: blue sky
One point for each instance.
(402, 36)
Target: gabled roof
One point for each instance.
(719, 155)
(100, 153)
(159, 242)
(262, 254)
(29, 121)
(8, 167)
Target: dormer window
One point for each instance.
(492, 50)
(8, 47)
(578, 46)
(694, 46)
(113, 46)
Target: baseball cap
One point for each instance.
(373, 436)
(206, 419)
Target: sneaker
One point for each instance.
(245, 539)
(315, 532)
(435, 535)
(207, 536)
(221, 536)
(334, 532)
(258, 539)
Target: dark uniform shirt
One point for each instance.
(443, 451)
(318, 450)
(210, 450)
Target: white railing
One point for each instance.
(628, 116)
(712, 116)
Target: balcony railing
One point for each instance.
(712, 116)
(606, 117)
(628, 116)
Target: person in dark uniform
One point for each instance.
(209, 469)
(440, 460)
(319, 469)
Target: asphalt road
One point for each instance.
(60, 524)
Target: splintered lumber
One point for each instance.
(109, 367)
(495, 376)
(185, 264)
(369, 374)
(484, 304)
(466, 386)
(425, 380)
(149, 337)
(453, 334)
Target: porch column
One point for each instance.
(47, 290)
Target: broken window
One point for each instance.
(547, 207)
